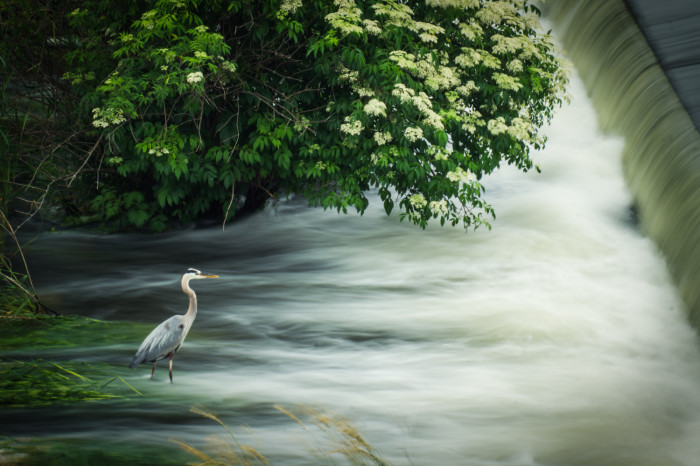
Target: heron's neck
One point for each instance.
(192, 310)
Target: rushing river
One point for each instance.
(554, 339)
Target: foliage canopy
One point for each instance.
(200, 106)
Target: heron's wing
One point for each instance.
(165, 338)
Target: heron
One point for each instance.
(166, 338)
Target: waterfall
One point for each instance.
(634, 98)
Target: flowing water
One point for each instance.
(557, 338)
(634, 98)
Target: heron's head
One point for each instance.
(192, 274)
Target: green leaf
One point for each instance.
(388, 205)
(441, 138)
(137, 217)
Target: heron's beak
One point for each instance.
(206, 275)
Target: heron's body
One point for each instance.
(167, 338)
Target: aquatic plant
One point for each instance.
(36, 383)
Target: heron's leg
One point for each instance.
(171, 365)
(153, 369)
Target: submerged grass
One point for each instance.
(85, 451)
(43, 332)
(340, 437)
(24, 334)
(41, 383)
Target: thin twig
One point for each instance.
(89, 154)
(230, 203)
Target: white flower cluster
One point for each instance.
(398, 14)
(363, 91)
(435, 76)
(453, 3)
(471, 31)
(382, 138)
(515, 66)
(375, 107)
(427, 28)
(201, 55)
(509, 83)
(528, 20)
(460, 176)
(418, 201)
(413, 133)
(428, 38)
(511, 45)
(467, 88)
(405, 94)
(521, 128)
(102, 118)
(497, 126)
(401, 15)
(438, 207)
(470, 122)
(194, 78)
(468, 58)
(351, 126)
(421, 102)
(229, 66)
(158, 150)
(404, 60)
(506, 45)
(495, 12)
(290, 6)
(489, 61)
(444, 78)
(346, 74)
(372, 27)
(347, 19)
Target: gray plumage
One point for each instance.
(167, 338)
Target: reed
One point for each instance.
(339, 437)
(224, 451)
